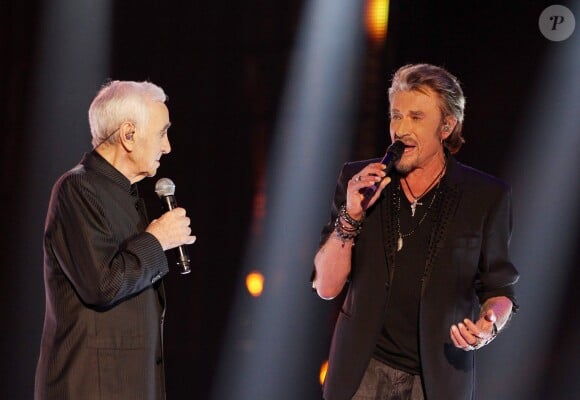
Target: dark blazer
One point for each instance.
(104, 297)
(467, 263)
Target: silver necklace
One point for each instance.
(416, 199)
(405, 235)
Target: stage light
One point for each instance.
(272, 351)
(377, 20)
(255, 283)
(546, 194)
(70, 63)
(323, 370)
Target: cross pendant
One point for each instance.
(414, 205)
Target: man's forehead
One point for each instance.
(414, 101)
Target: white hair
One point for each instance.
(118, 102)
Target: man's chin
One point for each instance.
(403, 168)
(153, 172)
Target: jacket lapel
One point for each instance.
(389, 217)
(445, 208)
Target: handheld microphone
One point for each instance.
(393, 153)
(165, 189)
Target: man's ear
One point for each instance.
(126, 135)
(448, 126)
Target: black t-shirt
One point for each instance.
(398, 343)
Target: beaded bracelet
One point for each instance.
(346, 216)
(344, 236)
(347, 233)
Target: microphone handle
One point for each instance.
(393, 153)
(183, 261)
(389, 160)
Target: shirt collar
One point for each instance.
(96, 162)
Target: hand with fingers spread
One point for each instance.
(468, 335)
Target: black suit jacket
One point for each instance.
(104, 297)
(467, 263)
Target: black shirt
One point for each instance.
(398, 343)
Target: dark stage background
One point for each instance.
(224, 66)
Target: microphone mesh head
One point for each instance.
(397, 148)
(165, 187)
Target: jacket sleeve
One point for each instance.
(497, 275)
(98, 245)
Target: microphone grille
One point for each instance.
(397, 148)
(164, 187)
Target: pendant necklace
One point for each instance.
(416, 199)
(404, 235)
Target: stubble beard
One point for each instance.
(404, 168)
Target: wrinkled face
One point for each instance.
(417, 121)
(151, 142)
